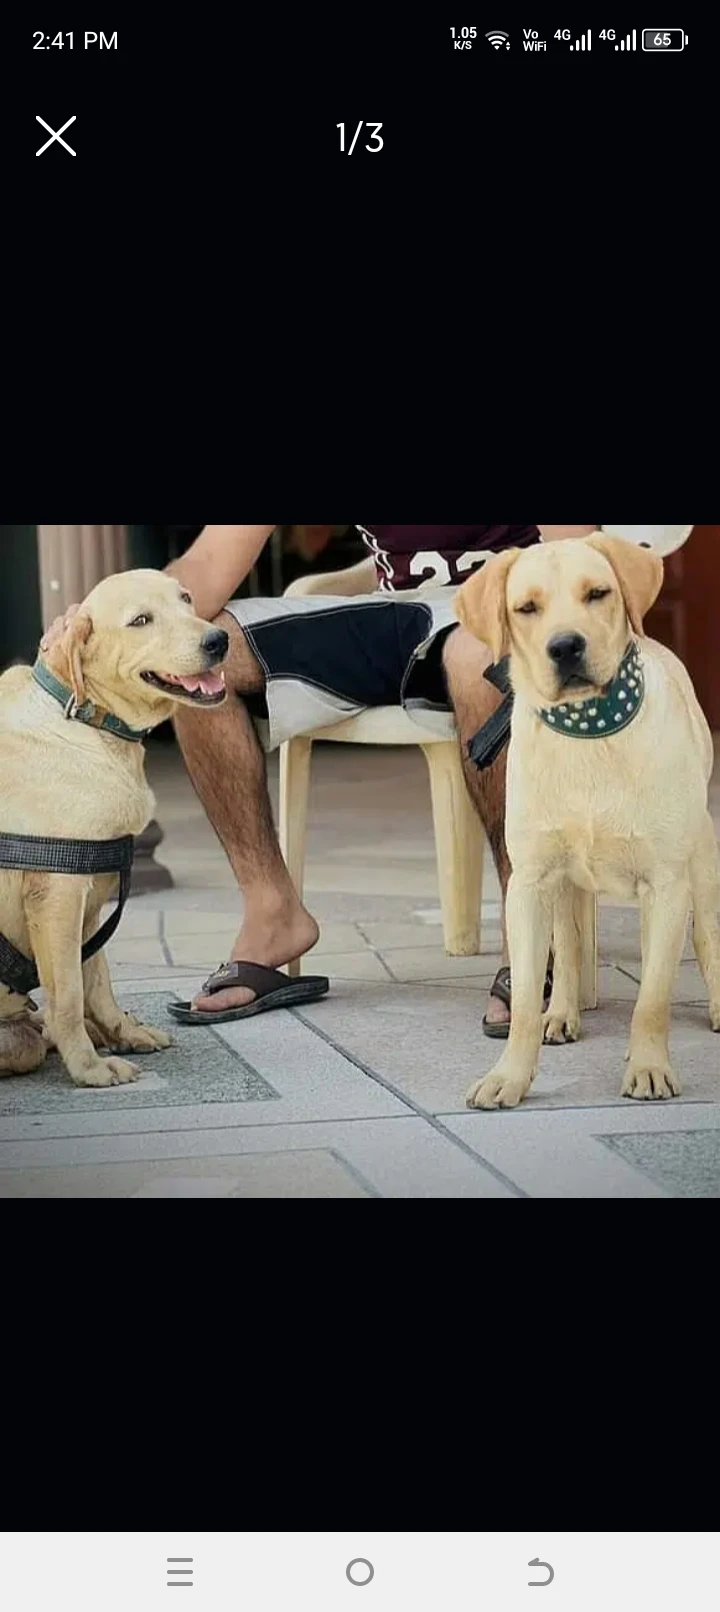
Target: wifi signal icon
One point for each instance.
(498, 38)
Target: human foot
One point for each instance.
(272, 943)
(499, 1013)
(498, 1010)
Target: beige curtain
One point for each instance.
(73, 559)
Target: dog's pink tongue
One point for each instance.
(212, 683)
(209, 683)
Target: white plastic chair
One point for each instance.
(664, 539)
(459, 837)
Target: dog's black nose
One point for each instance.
(567, 648)
(216, 644)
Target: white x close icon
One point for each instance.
(55, 135)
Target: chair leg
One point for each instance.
(460, 847)
(586, 912)
(295, 765)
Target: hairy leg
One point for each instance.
(474, 701)
(227, 768)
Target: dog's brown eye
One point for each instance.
(186, 598)
(597, 593)
(529, 609)
(141, 621)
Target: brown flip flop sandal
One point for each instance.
(273, 990)
(502, 991)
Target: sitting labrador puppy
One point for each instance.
(607, 792)
(135, 650)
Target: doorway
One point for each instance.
(20, 620)
(686, 615)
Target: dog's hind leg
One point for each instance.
(562, 1020)
(22, 1049)
(705, 881)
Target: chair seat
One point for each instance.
(388, 724)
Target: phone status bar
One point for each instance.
(659, 41)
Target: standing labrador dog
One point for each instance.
(135, 649)
(607, 791)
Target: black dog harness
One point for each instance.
(24, 853)
(21, 853)
(489, 743)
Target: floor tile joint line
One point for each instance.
(420, 1113)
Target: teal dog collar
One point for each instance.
(608, 713)
(87, 713)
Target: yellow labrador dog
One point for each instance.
(607, 791)
(135, 649)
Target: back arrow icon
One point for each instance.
(541, 1583)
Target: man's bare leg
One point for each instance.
(227, 767)
(474, 701)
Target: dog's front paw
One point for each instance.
(650, 1080)
(107, 1072)
(715, 1015)
(137, 1037)
(560, 1025)
(499, 1089)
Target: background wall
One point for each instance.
(73, 559)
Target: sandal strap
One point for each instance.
(251, 975)
(501, 988)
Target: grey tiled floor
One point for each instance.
(361, 1095)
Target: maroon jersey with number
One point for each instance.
(408, 556)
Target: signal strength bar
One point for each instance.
(580, 43)
(179, 1572)
(625, 43)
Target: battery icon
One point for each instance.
(669, 39)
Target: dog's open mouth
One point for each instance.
(577, 680)
(202, 688)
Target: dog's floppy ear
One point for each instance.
(481, 604)
(74, 644)
(640, 573)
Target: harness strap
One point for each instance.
(26, 854)
(490, 742)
